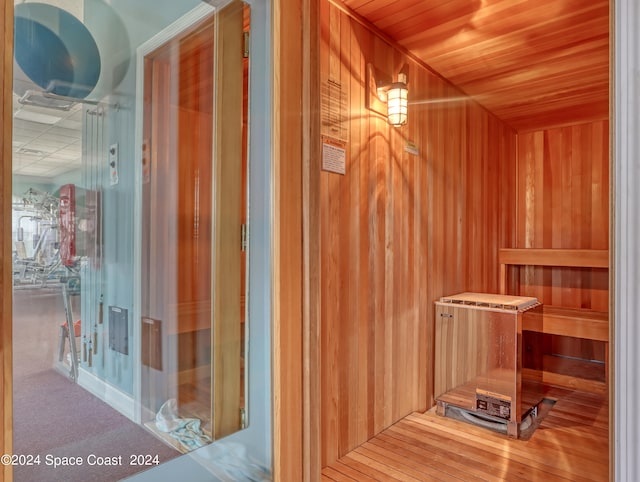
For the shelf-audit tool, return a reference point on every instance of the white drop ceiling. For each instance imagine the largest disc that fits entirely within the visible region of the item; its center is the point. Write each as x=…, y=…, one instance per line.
x=46, y=142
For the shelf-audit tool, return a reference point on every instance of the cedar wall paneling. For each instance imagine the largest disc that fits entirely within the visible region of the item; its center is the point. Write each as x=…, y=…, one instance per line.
x=398, y=231
x=286, y=241
x=563, y=202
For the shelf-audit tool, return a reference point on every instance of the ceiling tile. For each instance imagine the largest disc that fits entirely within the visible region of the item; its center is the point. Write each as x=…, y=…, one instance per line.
x=70, y=124
x=53, y=140
x=65, y=133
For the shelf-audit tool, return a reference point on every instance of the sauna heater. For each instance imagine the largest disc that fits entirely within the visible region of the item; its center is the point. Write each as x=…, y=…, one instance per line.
x=478, y=361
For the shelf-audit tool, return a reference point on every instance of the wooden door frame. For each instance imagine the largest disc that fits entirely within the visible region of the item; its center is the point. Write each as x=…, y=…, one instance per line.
x=6, y=351
x=286, y=255
x=296, y=254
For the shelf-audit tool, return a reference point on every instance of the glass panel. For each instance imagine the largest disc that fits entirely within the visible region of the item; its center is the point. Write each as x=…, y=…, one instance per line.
x=127, y=346
x=177, y=231
x=191, y=233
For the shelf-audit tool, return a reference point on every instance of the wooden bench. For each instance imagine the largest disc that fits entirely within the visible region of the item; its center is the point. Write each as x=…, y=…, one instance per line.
x=557, y=320
x=576, y=322
x=572, y=258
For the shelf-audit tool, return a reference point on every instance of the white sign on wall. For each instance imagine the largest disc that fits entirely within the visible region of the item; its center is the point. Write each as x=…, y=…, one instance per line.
x=334, y=155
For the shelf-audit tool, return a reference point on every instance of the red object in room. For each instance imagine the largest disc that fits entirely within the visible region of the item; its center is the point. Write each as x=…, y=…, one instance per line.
x=77, y=327
x=68, y=224
x=80, y=230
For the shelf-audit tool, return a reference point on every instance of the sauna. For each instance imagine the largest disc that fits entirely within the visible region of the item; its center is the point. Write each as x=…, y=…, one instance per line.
x=495, y=180
x=508, y=171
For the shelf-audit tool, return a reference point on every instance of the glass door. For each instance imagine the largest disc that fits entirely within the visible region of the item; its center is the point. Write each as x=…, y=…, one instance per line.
x=192, y=223
x=129, y=277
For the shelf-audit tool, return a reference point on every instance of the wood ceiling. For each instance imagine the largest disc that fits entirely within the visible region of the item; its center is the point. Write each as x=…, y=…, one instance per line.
x=533, y=63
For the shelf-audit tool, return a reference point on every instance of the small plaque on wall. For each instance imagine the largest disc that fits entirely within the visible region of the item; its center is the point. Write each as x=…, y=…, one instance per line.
x=334, y=108
x=334, y=155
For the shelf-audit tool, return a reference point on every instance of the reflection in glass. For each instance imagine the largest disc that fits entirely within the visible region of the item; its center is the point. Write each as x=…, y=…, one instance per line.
x=77, y=335
x=192, y=217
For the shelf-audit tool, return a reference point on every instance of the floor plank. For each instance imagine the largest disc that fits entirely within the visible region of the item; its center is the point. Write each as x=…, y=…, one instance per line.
x=571, y=443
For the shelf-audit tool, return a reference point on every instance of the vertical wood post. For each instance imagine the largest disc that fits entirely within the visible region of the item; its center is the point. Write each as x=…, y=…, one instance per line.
x=287, y=257
x=6, y=317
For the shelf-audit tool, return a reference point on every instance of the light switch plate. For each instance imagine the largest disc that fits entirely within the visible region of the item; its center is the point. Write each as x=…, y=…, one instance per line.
x=113, y=164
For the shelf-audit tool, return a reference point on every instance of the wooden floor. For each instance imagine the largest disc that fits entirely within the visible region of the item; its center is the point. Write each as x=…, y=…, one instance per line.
x=571, y=443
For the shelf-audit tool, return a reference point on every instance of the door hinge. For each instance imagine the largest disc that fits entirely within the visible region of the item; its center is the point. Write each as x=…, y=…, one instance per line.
x=243, y=237
x=245, y=49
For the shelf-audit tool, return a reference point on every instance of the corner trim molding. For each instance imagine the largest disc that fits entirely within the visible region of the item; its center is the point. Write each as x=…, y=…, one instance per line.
x=626, y=223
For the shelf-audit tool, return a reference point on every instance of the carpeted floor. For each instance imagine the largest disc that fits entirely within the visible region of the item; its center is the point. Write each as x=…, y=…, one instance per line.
x=54, y=417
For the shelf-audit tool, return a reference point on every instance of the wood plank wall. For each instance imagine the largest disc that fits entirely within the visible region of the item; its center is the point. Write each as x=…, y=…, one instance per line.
x=563, y=202
x=398, y=231
x=6, y=89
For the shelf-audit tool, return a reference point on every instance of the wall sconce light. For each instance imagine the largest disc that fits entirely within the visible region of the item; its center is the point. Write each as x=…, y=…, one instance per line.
x=388, y=98
x=397, y=101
